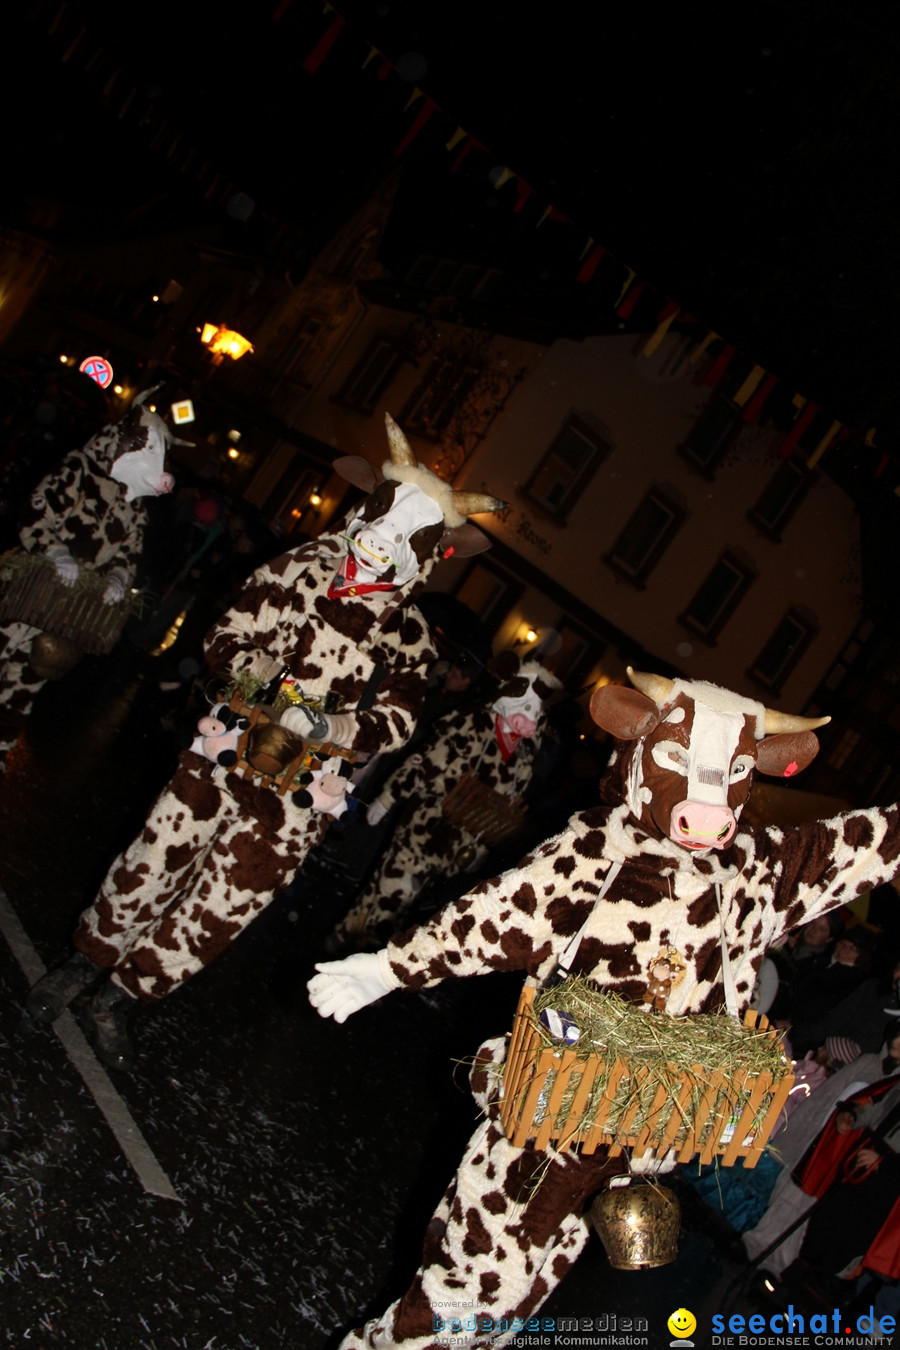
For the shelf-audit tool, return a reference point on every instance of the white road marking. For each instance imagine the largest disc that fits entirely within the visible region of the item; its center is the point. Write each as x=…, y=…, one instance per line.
x=118, y=1117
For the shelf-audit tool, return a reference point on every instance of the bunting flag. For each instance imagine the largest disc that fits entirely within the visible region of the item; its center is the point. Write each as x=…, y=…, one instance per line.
x=523, y=192
x=755, y=404
x=425, y=112
x=720, y=365
x=665, y=320
x=823, y=445
x=589, y=265
x=797, y=430
x=122, y=95
x=748, y=386
x=702, y=346
x=551, y=213
x=471, y=144
x=325, y=43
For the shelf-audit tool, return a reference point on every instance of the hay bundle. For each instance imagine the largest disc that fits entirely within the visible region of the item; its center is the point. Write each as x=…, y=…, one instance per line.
x=703, y=1083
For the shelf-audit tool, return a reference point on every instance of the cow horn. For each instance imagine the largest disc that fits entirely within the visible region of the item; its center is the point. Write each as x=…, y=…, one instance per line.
x=779, y=722
x=472, y=503
x=401, y=450
x=657, y=687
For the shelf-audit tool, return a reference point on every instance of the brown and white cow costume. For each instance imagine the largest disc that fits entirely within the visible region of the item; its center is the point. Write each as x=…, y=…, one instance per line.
x=87, y=514
x=497, y=744
x=217, y=847
x=670, y=822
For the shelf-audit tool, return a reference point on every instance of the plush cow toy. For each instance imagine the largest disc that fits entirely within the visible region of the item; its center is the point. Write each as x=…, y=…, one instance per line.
x=339, y=614
x=218, y=735
x=662, y=870
x=497, y=744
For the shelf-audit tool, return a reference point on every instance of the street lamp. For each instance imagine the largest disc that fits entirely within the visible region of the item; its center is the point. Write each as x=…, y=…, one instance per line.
x=222, y=342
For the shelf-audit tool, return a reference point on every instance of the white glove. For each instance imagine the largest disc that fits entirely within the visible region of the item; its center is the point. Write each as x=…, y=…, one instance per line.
x=115, y=588
x=343, y=987
x=375, y=812
x=66, y=567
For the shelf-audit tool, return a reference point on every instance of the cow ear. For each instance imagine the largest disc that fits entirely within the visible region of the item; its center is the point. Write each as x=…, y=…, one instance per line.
x=624, y=713
x=358, y=471
x=463, y=541
x=787, y=754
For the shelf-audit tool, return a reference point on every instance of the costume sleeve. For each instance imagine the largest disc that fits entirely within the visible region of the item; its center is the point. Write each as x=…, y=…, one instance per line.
x=255, y=634
x=826, y=863
x=521, y=920
x=55, y=499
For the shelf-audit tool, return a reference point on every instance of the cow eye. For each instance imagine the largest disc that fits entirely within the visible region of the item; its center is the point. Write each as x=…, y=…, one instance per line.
x=740, y=769
x=679, y=757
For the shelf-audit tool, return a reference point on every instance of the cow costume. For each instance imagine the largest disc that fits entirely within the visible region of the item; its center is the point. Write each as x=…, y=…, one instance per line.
x=497, y=744
x=660, y=872
x=89, y=514
x=337, y=613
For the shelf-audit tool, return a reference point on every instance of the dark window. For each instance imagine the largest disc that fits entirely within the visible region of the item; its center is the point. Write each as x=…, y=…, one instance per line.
x=444, y=390
x=488, y=593
x=781, y=497
x=566, y=468
x=300, y=341
x=783, y=650
x=646, y=536
x=714, y=431
x=718, y=597
x=371, y=376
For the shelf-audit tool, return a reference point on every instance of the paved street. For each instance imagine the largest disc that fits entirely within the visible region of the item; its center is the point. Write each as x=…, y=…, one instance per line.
x=303, y=1159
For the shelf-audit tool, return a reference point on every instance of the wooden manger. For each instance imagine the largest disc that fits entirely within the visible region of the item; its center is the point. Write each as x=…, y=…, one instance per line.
x=563, y=1096
x=31, y=592
x=472, y=805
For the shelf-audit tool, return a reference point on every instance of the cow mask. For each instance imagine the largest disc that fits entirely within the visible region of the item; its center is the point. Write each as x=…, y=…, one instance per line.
x=521, y=700
x=142, y=470
x=694, y=752
x=409, y=515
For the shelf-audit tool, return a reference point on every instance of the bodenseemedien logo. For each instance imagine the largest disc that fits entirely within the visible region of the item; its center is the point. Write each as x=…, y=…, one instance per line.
x=682, y=1324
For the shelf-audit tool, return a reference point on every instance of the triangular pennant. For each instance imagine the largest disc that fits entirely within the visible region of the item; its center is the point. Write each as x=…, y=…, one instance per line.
x=471, y=144
x=749, y=386
x=702, y=346
x=720, y=365
x=755, y=405
x=459, y=134
x=502, y=177
x=797, y=430
x=589, y=266
x=425, y=112
x=373, y=52
x=823, y=445
x=413, y=98
x=325, y=43
x=523, y=192
x=625, y=287
x=666, y=318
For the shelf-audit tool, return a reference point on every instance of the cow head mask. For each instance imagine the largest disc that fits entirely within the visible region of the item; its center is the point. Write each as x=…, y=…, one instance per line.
x=523, y=697
x=409, y=517
x=144, y=439
x=694, y=750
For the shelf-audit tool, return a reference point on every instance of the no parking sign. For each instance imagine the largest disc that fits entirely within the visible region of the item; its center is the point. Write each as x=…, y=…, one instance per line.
x=98, y=369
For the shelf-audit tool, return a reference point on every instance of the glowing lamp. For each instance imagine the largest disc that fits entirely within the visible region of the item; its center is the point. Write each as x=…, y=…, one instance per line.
x=223, y=341
x=315, y=499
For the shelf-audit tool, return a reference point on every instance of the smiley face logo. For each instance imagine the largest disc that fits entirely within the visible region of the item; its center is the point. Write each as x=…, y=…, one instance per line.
x=682, y=1323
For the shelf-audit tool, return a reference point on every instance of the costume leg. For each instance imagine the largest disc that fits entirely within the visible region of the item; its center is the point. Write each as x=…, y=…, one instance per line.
x=18, y=683
x=417, y=850
x=213, y=853
x=506, y=1232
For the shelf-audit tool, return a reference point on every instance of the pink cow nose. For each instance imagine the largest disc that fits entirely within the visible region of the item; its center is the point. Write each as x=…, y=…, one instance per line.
x=698, y=825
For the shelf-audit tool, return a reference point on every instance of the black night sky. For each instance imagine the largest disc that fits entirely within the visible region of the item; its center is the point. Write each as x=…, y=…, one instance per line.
x=741, y=162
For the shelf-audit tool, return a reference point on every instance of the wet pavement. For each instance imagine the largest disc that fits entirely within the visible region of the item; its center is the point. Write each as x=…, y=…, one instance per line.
x=306, y=1157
